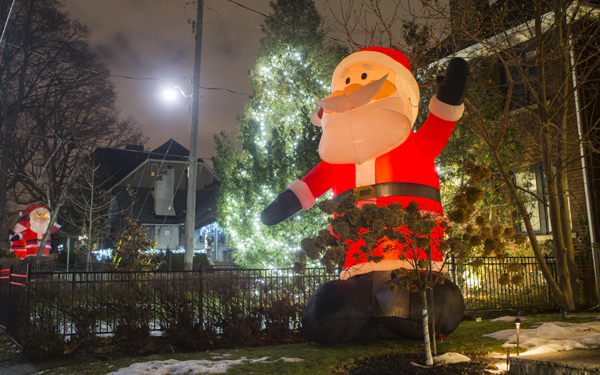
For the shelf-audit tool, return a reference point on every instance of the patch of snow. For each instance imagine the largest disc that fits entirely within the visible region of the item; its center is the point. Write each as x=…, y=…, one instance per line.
x=192, y=367
x=506, y=319
x=551, y=337
x=451, y=358
x=501, y=368
x=285, y=359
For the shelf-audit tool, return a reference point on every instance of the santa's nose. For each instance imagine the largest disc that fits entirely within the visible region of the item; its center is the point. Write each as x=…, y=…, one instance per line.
x=351, y=88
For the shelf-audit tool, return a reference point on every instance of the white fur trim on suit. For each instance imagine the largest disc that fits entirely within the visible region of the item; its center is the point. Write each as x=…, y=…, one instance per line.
x=446, y=111
x=385, y=265
x=303, y=193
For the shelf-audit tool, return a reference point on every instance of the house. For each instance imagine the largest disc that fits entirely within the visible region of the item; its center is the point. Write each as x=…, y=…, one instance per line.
x=502, y=35
x=151, y=187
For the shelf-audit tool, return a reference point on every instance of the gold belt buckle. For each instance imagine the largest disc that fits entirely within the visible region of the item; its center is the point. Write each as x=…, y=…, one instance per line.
x=364, y=192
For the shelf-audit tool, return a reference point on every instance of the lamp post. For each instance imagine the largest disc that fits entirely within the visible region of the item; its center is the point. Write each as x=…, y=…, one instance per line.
x=190, y=214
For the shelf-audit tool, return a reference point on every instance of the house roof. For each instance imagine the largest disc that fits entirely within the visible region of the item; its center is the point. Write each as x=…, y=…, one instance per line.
x=519, y=13
x=140, y=206
x=116, y=163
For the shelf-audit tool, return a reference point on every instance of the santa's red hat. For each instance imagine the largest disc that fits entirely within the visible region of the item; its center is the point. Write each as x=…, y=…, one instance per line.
x=33, y=207
x=392, y=59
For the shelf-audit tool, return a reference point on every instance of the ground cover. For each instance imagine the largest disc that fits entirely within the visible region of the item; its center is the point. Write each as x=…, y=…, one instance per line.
x=376, y=357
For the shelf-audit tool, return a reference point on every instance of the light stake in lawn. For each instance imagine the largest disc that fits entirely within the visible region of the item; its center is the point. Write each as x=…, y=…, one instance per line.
x=518, y=323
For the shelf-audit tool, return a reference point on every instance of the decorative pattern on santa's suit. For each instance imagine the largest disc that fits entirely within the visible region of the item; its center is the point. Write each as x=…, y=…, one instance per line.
x=26, y=241
x=404, y=174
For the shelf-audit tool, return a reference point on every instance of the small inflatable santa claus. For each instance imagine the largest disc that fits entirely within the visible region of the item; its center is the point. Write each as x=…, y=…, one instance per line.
x=369, y=148
x=28, y=234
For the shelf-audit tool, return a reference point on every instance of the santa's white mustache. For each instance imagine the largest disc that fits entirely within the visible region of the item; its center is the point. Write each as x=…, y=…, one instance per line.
x=359, y=98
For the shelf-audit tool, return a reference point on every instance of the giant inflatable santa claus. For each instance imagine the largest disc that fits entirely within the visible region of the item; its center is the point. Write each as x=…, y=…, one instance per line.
x=28, y=234
x=369, y=148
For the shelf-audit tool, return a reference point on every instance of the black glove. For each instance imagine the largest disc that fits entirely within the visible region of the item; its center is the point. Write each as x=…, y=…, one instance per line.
x=283, y=207
x=14, y=238
x=11, y=232
x=60, y=221
x=452, y=87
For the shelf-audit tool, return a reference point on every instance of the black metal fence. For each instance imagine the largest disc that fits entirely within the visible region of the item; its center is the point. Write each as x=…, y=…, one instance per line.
x=99, y=266
x=221, y=300
x=12, y=287
x=482, y=290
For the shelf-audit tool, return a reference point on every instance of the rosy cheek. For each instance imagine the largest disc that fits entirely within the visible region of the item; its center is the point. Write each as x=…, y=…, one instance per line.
x=387, y=90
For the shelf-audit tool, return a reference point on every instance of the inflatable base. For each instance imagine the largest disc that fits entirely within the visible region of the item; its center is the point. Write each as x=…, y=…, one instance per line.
x=363, y=308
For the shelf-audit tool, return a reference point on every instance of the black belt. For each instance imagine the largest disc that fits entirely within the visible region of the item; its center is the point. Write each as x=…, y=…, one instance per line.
x=392, y=189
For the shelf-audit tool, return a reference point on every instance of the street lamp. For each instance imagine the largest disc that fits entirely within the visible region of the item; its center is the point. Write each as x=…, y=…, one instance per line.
x=171, y=94
x=190, y=215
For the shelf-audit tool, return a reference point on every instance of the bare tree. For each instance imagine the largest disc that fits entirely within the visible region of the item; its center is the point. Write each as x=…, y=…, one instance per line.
x=57, y=103
x=529, y=63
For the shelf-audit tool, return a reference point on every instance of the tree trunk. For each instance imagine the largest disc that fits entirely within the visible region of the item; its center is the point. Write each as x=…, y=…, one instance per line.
x=58, y=203
x=426, y=339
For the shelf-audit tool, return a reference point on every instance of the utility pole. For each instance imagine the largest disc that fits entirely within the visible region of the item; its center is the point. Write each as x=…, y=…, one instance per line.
x=190, y=214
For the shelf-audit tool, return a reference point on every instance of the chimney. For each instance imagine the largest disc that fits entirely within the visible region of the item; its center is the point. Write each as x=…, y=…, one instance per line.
x=135, y=147
x=163, y=193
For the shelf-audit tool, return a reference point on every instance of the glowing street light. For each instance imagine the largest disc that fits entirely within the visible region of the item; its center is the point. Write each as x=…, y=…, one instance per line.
x=171, y=94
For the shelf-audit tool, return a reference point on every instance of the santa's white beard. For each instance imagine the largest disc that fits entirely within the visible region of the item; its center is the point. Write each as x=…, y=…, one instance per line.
x=365, y=133
x=39, y=226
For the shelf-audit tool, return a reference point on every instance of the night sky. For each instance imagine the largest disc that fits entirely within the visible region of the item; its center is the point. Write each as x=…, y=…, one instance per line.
x=143, y=38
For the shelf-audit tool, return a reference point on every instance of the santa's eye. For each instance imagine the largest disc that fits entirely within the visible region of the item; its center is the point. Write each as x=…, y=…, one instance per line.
x=363, y=76
x=348, y=80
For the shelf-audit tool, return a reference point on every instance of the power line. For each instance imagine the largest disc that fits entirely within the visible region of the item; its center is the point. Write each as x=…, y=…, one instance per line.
x=161, y=3
x=204, y=86
x=7, y=19
x=233, y=18
x=287, y=23
x=30, y=135
x=250, y=24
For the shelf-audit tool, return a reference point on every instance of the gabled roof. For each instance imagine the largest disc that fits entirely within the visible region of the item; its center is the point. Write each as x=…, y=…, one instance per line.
x=519, y=13
x=116, y=163
x=170, y=147
x=140, y=206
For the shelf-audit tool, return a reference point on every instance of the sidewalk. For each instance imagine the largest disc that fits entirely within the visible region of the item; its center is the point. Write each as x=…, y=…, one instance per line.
x=582, y=361
x=19, y=369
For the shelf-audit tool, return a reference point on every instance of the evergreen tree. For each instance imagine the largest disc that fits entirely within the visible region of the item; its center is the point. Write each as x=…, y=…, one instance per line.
x=278, y=142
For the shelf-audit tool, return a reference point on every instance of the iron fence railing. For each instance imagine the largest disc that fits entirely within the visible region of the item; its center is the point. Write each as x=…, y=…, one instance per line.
x=217, y=297
x=482, y=290
x=100, y=266
x=12, y=287
x=220, y=299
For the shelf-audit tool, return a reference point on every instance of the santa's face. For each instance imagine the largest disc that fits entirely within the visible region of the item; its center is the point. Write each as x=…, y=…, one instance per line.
x=367, y=114
x=39, y=220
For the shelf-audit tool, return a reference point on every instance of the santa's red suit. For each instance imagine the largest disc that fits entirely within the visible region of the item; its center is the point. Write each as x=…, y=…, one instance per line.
x=28, y=234
x=391, y=162
x=369, y=149
x=407, y=172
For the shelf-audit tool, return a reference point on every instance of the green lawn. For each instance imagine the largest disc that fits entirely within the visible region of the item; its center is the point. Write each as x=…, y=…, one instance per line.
x=319, y=359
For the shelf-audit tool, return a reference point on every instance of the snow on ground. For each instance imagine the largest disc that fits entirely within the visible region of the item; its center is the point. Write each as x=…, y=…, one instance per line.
x=547, y=338
x=451, y=358
x=506, y=319
x=552, y=337
x=192, y=367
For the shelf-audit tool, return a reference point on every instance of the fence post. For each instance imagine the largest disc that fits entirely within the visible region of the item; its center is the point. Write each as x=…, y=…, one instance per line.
x=453, y=268
x=8, y=302
x=201, y=295
x=548, y=284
